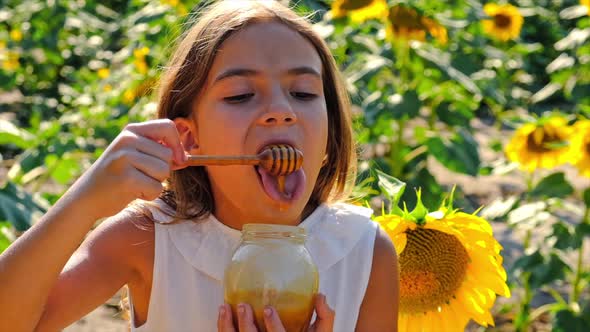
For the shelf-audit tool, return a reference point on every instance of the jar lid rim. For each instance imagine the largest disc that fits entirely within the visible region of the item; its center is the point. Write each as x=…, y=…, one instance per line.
x=273, y=228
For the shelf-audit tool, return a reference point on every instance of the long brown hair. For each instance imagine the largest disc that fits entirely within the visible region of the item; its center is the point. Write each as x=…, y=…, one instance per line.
x=188, y=191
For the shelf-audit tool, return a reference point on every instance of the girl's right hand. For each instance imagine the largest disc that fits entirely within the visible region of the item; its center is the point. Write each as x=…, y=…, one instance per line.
x=133, y=166
x=324, y=318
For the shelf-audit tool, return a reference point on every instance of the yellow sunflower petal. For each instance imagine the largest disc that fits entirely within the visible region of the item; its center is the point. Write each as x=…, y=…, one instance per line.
x=491, y=9
x=470, y=304
x=494, y=283
x=402, y=323
x=399, y=242
x=457, y=318
x=359, y=10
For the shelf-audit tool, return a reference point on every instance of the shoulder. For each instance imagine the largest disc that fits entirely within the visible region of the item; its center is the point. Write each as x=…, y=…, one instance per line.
x=379, y=310
x=125, y=239
x=384, y=251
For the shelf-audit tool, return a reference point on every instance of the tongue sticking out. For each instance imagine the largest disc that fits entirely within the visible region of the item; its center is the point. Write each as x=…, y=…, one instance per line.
x=294, y=185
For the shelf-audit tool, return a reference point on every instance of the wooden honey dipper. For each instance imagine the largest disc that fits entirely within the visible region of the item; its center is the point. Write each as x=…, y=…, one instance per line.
x=278, y=160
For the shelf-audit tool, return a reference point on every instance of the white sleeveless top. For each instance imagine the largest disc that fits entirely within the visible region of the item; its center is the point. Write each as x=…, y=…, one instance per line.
x=190, y=259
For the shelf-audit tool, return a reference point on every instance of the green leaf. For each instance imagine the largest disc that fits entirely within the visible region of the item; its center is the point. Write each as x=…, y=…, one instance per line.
x=19, y=207
x=564, y=236
x=568, y=321
x=420, y=211
x=587, y=197
x=454, y=115
x=499, y=208
x=11, y=134
x=527, y=262
x=529, y=215
x=554, y=185
x=392, y=188
x=459, y=154
x=581, y=231
x=405, y=107
x=65, y=169
x=4, y=239
x=553, y=268
x=443, y=61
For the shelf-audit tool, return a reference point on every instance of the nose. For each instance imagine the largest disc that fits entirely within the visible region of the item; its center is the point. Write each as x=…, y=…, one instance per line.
x=278, y=112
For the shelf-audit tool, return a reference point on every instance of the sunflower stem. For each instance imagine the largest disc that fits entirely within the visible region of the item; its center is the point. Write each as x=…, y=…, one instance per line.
x=557, y=296
x=541, y=310
x=396, y=157
x=529, y=182
x=524, y=319
x=579, y=267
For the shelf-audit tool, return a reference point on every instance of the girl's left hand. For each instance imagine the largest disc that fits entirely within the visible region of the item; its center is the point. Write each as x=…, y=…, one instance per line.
x=324, y=320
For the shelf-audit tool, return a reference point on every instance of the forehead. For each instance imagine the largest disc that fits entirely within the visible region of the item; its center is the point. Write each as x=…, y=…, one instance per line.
x=266, y=47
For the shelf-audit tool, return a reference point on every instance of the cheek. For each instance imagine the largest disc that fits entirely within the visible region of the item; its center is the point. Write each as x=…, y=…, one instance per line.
x=222, y=131
x=316, y=138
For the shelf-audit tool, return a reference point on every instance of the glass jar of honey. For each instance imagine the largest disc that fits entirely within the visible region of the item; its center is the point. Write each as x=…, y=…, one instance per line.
x=272, y=267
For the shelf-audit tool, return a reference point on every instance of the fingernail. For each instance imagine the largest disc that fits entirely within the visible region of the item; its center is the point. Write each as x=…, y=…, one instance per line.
x=268, y=312
x=241, y=309
x=222, y=311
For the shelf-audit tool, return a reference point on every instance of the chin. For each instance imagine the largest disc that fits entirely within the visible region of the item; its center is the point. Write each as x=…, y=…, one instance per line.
x=274, y=212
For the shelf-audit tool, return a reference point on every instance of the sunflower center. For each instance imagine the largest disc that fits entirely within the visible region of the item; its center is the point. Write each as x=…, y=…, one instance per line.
x=502, y=21
x=545, y=143
x=433, y=266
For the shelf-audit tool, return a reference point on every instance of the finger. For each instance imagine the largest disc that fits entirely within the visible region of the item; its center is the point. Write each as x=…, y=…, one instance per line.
x=155, y=149
x=246, y=318
x=160, y=151
x=161, y=130
x=224, y=319
x=325, y=315
x=151, y=166
x=144, y=187
x=272, y=321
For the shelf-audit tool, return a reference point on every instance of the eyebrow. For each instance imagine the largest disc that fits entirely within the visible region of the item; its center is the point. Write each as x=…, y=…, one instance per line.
x=251, y=72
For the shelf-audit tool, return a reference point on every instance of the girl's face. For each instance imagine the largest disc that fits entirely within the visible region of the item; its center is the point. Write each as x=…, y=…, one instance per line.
x=265, y=87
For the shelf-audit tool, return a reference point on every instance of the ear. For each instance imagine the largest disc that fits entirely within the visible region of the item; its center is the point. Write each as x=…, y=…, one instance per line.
x=188, y=134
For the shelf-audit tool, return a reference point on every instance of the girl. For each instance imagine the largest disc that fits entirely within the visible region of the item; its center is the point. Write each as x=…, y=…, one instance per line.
x=248, y=74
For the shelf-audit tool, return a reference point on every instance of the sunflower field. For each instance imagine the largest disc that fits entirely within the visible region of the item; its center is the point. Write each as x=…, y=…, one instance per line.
x=472, y=121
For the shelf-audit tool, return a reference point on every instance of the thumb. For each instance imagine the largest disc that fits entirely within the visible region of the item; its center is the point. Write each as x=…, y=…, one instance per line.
x=325, y=315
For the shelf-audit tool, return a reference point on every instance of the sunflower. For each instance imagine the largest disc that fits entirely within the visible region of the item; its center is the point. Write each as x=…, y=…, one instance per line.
x=586, y=3
x=540, y=145
x=505, y=23
x=359, y=10
x=450, y=268
x=580, y=147
x=405, y=23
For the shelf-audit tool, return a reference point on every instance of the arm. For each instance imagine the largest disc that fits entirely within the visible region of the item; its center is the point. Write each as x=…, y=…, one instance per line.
x=109, y=258
x=30, y=267
x=133, y=166
x=379, y=309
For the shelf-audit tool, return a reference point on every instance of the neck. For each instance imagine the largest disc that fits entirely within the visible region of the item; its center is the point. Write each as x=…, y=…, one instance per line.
x=233, y=217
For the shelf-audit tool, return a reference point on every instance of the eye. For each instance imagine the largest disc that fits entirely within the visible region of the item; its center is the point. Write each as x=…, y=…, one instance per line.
x=238, y=98
x=303, y=95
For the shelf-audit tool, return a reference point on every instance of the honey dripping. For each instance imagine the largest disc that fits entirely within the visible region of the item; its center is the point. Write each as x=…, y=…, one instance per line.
x=281, y=184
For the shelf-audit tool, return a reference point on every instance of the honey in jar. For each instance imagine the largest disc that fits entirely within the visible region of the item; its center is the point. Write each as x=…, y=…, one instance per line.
x=272, y=267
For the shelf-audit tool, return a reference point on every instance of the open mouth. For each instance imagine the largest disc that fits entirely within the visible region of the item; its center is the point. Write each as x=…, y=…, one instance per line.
x=294, y=185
